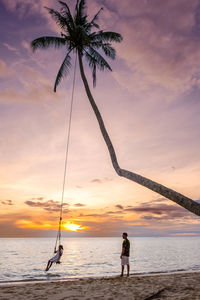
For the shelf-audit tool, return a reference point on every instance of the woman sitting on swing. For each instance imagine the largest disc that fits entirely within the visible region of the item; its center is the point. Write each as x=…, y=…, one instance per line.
x=55, y=258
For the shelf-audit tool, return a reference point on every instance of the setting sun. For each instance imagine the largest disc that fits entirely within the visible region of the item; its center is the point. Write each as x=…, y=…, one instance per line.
x=73, y=227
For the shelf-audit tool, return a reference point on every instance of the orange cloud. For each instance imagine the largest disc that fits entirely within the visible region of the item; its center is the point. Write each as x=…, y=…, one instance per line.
x=144, y=219
x=186, y=234
x=33, y=225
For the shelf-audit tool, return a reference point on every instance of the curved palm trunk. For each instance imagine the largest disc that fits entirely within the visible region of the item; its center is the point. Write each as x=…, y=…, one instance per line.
x=180, y=199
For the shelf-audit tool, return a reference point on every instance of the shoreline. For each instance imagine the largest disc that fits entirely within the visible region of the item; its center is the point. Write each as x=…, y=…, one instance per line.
x=58, y=279
x=181, y=285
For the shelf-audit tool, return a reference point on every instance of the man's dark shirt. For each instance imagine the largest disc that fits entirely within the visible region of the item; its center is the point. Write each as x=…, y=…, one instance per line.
x=126, y=246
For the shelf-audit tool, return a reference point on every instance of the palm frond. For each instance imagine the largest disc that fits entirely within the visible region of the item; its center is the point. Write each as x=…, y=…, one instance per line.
x=64, y=70
x=109, y=51
x=95, y=18
x=95, y=60
x=105, y=47
x=107, y=36
x=80, y=17
x=82, y=7
x=94, y=75
x=101, y=62
x=91, y=24
x=77, y=7
x=67, y=13
x=47, y=41
x=60, y=20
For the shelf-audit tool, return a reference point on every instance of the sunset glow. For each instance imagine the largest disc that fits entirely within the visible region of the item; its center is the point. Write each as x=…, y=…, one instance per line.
x=33, y=225
x=72, y=227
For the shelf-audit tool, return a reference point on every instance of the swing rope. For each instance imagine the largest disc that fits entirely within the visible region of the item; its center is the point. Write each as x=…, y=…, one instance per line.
x=58, y=238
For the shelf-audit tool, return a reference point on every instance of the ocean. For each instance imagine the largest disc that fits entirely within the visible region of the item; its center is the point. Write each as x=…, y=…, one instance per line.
x=24, y=259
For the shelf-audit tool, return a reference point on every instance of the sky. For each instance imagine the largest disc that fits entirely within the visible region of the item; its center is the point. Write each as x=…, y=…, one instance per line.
x=150, y=105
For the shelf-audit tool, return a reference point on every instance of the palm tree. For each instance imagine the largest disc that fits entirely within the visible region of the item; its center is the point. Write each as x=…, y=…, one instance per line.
x=83, y=37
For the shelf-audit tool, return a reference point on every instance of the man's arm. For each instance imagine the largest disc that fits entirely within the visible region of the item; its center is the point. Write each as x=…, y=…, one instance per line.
x=123, y=250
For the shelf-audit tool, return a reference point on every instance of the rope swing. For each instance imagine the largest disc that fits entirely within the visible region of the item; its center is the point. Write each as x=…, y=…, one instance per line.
x=58, y=237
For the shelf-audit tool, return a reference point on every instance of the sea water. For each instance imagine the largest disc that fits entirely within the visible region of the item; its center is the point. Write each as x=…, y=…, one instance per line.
x=24, y=259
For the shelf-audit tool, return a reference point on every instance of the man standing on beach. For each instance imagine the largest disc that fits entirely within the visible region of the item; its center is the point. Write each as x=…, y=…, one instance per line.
x=125, y=254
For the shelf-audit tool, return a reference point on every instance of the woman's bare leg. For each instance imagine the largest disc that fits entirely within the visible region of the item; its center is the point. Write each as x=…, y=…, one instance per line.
x=49, y=264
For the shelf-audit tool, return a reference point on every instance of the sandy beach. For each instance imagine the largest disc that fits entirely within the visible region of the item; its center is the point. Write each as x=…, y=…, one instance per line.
x=165, y=286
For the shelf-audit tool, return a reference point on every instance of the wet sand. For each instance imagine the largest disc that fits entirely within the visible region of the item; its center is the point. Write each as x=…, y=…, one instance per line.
x=164, y=286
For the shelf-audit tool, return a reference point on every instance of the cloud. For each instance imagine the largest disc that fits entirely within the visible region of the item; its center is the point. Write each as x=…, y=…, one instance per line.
x=26, y=45
x=79, y=205
x=34, y=95
x=27, y=8
x=162, y=211
x=4, y=70
x=79, y=186
x=24, y=7
x=39, y=198
x=153, y=221
x=111, y=214
x=162, y=199
x=11, y=48
x=36, y=87
x=118, y=212
x=159, y=51
x=113, y=227
x=6, y=202
x=96, y=180
x=13, y=231
x=94, y=215
x=49, y=205
x=148, y=211
x=119, y=206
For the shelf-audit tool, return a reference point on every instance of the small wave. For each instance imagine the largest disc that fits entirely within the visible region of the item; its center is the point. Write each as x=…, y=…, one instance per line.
x=196, y=267
x=52, y=275
x=166, y=271
x=96, y=264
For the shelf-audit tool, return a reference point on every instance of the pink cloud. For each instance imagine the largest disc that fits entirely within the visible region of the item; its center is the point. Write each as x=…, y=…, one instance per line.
x=36, y=87
x=159, y=46
x=25, y=8
x=5, y=71
x=11, y=48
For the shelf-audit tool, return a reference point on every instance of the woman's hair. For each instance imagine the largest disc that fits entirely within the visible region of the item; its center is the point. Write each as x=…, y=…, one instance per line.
x=61, y=246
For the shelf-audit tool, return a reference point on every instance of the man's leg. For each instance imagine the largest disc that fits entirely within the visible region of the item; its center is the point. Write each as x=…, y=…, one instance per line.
x=122, y=273
x=128, y=269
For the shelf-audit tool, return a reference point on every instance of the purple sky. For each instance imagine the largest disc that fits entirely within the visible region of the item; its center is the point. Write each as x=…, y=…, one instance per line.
x=150, y=104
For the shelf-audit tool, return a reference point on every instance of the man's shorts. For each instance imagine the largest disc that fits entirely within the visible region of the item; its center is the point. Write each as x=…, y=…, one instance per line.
x=125, y=260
